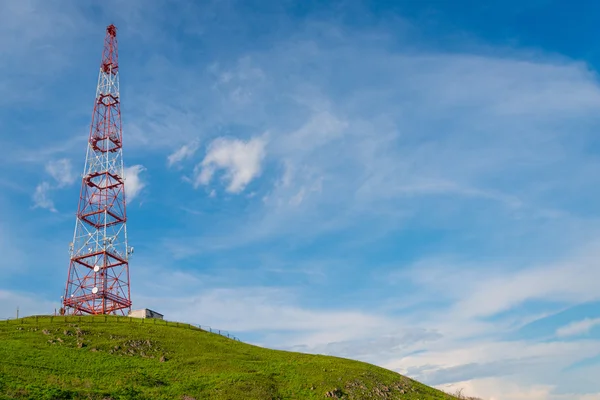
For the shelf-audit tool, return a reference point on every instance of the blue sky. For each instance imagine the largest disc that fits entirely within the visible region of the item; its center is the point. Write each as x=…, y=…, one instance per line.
x=412, y=184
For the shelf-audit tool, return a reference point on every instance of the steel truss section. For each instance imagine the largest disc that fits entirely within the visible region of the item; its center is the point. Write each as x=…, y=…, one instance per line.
x=98, y=278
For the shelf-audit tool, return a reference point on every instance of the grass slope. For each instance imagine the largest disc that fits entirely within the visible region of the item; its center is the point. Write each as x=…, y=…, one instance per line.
x=121, y=358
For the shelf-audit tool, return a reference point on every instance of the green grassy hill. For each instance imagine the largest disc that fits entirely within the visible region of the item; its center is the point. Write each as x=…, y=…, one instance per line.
x=121, y=358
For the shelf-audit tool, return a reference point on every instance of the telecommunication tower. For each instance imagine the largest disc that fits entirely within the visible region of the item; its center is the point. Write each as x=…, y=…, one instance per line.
x=98, y=280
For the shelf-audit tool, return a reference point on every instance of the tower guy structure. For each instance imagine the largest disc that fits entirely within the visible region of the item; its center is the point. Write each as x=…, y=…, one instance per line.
x=98, y=280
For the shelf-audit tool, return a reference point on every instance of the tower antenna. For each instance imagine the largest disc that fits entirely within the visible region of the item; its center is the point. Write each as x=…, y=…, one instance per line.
x=98, y=279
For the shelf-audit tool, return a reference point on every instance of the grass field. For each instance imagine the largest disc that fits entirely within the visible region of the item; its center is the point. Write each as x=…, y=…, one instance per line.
x=121, y=358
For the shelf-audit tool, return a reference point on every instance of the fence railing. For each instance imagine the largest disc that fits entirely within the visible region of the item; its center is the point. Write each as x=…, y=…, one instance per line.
x=36, y=319
x=217, y=331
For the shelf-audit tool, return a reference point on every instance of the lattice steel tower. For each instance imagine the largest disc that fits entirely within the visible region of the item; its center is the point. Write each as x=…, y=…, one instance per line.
x=98, y=281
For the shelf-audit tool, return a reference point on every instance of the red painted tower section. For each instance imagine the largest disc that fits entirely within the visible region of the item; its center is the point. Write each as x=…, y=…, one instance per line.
x=98, y=281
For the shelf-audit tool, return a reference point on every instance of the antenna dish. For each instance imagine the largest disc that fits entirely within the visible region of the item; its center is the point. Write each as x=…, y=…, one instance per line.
x=96, y=268
x=95, y=290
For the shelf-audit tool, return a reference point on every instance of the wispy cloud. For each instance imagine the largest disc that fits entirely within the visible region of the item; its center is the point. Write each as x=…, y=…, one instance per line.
x=62, y=171
x=384, y=145
x=48, y=151
x=240, y=160
x=185, y=151
x=578, y=327
x=429, y=142
x=491, y=292
x=41, y=197
x=133, y=181
x=499, y=388
x=443, y=345
x=446, y=197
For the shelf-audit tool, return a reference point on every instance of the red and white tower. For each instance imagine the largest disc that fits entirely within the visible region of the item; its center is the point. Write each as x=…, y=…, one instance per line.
x=98, y=281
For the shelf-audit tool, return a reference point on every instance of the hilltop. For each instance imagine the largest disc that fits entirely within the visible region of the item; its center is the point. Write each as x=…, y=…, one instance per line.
x=122, y=358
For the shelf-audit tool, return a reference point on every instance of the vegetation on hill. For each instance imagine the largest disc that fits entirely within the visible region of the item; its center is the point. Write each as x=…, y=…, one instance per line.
x=121, y=358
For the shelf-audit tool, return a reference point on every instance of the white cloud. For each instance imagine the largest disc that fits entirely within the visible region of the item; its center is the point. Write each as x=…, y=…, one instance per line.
x=451, y=349
x=546, y=282
x=67, y=145
x=62, y=171
x=133, y=182
x=393, y=149
x=486, y=290
x=505, y=389
x=240, y=160
x=270, y=311
x=577, y=327
x=245, y=70
x=447, y=361
x=412, y=133
x=473, y=350
x=384, y=139
x=237, y=84
x=185, y=151
x=322, y=128
x=455, y=139
x=501, y=389
x=40, y=197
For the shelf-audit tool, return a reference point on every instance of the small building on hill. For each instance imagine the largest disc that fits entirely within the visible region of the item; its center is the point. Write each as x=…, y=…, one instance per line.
x=145, y=313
